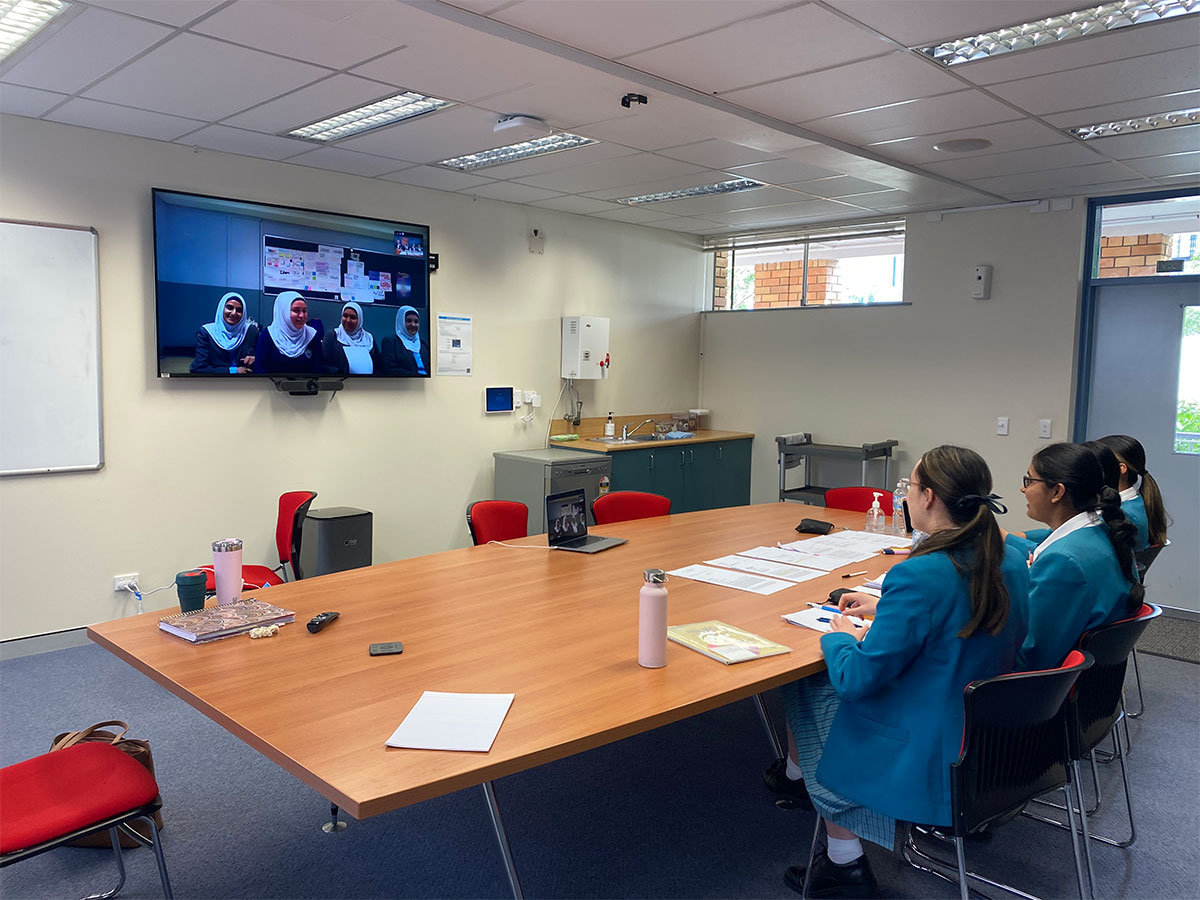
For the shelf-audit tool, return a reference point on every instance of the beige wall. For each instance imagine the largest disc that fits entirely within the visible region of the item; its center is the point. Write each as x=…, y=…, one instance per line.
x=188, y=462
x=937, y=371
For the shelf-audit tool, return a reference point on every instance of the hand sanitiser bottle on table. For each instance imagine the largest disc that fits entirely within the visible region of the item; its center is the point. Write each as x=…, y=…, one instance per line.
x=227, y=570
x=652, y=620
x=876, y=520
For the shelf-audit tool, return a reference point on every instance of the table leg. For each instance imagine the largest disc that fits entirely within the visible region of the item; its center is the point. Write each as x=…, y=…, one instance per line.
x=766, y=720
x=501, y=838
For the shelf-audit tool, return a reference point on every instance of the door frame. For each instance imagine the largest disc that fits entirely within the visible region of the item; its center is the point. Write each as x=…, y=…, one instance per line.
x=1086, y=340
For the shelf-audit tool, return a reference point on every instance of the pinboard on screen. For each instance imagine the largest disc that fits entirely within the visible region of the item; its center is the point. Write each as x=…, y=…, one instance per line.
x=245, y=289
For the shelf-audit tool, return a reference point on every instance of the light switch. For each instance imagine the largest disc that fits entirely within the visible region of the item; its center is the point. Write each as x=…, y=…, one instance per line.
x=1045, y=427
x=1002, y=425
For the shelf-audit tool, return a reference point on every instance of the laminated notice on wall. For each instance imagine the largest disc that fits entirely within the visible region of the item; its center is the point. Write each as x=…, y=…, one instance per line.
x=454, y=353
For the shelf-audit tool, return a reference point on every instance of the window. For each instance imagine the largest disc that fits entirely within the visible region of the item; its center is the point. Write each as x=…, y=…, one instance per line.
x=858, y=265
x=1158, y=237
x=1187, y=416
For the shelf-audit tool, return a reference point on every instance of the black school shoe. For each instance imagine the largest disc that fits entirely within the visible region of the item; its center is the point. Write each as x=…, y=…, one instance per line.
x=854, y=880
x=777, y=782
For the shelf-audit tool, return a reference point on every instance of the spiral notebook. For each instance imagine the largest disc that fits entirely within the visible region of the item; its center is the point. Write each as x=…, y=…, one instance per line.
x=216, y=622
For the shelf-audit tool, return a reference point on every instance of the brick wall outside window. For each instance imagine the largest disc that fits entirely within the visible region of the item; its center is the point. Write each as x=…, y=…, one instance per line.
x=1132, y=255
x=782, y=283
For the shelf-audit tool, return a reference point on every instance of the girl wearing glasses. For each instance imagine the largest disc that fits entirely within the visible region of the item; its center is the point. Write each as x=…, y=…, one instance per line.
x=1141, y=501
x=953, y=612
x=1082, y=574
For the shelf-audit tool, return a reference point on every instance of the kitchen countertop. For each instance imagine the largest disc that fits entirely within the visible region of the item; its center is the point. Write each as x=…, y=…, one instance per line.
x=703, y=436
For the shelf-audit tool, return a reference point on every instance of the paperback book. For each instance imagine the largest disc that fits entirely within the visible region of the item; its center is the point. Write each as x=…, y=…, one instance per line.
x=724, y=643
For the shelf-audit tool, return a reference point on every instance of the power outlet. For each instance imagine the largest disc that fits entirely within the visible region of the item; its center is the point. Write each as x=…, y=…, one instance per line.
x=516, y=398
x=124, y=582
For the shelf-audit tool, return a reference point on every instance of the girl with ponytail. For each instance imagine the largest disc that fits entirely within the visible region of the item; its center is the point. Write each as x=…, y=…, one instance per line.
x=1141, y=501
x=1082, y=574
x=951, y=613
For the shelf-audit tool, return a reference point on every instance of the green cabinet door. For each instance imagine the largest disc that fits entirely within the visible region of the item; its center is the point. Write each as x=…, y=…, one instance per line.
x=631, y=471
x=669, y=470
x=702, y=475
x=731, y=484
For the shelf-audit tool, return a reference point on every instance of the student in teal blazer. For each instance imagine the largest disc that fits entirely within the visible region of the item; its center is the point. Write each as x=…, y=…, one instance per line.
x=1082, y=575
x=1141, y=500
x=952, y=613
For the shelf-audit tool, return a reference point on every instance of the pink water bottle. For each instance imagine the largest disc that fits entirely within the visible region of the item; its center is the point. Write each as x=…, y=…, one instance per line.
x=227, y=570
x=652, y=620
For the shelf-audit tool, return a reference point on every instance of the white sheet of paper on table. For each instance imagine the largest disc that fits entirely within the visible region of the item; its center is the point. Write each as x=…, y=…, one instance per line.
x=817, y=619
x=446, y=721
x=765, y=567
x=725, y=578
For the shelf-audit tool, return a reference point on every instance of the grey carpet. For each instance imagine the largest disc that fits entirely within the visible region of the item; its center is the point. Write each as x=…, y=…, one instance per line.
x=1172, y=638
x=677, y=812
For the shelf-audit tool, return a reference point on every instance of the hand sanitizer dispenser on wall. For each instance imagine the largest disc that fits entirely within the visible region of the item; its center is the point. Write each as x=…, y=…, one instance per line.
x=584, y=347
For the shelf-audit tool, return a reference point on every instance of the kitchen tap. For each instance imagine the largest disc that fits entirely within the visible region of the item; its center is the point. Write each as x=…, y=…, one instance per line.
x=626, y=431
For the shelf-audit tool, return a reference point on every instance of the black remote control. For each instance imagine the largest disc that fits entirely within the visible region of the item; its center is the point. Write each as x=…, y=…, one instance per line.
x=319, y=621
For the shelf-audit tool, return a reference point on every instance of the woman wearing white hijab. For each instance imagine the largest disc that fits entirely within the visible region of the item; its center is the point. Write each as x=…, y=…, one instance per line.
x=289, y=344
x=350, y=349
x=407, y=353
x=225, y=346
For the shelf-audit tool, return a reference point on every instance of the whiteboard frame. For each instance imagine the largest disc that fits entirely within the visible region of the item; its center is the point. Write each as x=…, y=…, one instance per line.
x=5, y=473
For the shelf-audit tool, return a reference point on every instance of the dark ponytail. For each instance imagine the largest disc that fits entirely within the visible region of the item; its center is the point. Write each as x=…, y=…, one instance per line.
x=962, y=481
x=1078, y=468
x=1133, y=454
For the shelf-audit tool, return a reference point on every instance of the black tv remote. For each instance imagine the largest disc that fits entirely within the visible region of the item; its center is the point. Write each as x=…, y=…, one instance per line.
x=319, y=621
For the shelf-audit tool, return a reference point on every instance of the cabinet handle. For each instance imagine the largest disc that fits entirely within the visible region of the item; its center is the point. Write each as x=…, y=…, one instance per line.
x=682, y=459
x=650, y=467
x=691, y=456
x=720, y=452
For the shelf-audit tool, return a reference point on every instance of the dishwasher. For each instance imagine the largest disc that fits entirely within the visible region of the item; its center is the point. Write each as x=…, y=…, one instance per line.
x=529, y=475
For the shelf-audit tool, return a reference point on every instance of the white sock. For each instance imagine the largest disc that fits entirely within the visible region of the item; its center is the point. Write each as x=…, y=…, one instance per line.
x=793, y=771
x=843, y=852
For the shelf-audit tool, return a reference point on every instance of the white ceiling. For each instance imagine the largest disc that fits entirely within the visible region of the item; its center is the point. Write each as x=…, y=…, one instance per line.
x=823, y=100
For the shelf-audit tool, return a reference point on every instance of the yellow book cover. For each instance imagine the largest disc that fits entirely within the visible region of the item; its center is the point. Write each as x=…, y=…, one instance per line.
x=724, y=643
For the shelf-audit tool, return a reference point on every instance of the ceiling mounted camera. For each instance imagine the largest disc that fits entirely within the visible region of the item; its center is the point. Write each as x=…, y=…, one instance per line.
x=630, y=99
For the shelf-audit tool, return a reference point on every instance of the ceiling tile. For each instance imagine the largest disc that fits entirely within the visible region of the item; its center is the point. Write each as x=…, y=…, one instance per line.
x=247, y=143
x=510, y=191
x=1102, y=187
x=870, y=83
x=808, y=211
x=482, y=7
x=928, y=115
x=625, y=170
x=1188, y=180
x=565, y=159
x=202, y=79
x=432, y=137
x=761, y=49
x=123, y=120
x=659, y=185
x=716, y=154
x=1158, y=142
x=170, y=12
x=1126, y=79
x=438, y=179
x=614, y=28
x=1129, y=109
x=573, y=96
x=1019, y=134
x=707, y=207
x=572, y=204
x=919, y=22
x=837, y=186
x=322, y=100
x=88, y=46
x=973, y=166
x=636, y=216
x=1054, y=181
x=893, y=201
x=22, y=101
x=1155, y=37
x=781, y=171
x=347, y=161
x=689, y=225
x=1174, y=164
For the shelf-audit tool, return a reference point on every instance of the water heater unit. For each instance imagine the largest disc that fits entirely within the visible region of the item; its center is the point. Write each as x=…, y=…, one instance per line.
x=584, y=347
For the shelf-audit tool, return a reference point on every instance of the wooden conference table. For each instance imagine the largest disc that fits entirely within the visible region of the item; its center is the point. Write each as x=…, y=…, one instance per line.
x=559, y=630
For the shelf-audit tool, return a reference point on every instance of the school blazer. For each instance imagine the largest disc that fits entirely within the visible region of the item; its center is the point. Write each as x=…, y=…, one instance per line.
x=1135, y=512
x=899, y=725
x=1075, y=585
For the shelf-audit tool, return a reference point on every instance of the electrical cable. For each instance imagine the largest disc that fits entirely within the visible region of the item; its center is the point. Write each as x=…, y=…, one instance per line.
x=521, y=546
x=550, y=415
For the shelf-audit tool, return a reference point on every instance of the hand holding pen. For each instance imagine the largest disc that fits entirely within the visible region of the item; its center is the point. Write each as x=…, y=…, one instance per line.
x=856, y=603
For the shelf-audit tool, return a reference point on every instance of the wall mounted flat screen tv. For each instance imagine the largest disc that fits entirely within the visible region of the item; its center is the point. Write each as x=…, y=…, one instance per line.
x=248, y=289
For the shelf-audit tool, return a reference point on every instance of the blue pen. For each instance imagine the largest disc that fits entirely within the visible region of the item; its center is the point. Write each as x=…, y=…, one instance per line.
x=832, y=609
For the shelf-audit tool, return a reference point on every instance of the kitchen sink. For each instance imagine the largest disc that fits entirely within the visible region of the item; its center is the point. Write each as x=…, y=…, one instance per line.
x=632, y=439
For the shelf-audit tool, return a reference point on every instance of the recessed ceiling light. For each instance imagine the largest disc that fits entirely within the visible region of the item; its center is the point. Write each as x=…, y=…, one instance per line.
x=513, y=152
x=962, y=145
x=22, y=19
x=721, y=187
x=373, y=115
x=1130, y=126
x=1092, y=20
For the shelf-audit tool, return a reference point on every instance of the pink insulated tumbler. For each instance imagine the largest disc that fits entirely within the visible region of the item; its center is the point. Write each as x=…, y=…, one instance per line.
x=227, y=570
x=652, y=620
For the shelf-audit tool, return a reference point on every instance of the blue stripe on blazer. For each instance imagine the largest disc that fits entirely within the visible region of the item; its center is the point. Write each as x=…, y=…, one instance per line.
x=1075, y=584
x=900, y=721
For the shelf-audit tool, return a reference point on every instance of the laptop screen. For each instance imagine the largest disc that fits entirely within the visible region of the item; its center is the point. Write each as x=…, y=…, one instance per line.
x=566, y=517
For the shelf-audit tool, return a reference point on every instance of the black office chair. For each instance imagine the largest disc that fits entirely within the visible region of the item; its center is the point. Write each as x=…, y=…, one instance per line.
x=1015, y=747
x=1144, y=559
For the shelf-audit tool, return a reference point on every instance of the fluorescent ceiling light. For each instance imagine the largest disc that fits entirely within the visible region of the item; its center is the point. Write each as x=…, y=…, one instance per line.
x=373, y=115
x=722, y=187
x=21, y=19
x=513, y=152
x=1129, y=126
x=1092, y=20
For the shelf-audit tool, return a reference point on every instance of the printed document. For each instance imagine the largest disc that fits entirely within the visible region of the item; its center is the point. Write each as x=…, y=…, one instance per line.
x=737, y=580
x=766, y=567
x=442, y=721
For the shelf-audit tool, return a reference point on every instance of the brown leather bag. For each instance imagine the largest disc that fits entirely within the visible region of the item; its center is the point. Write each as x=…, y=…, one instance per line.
x=139, y=750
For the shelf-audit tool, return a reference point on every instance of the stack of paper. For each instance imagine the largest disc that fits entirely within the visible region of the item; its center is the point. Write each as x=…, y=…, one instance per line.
x=817, y=618
x=725, y=578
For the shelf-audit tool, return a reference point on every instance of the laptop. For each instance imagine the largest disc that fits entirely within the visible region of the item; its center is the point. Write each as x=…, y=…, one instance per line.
x=566, y=524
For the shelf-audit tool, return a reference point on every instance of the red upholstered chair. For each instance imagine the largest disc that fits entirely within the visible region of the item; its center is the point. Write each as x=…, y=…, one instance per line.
x=497, y=520
x=60, y=796
x=293, y=507
x=857, y=499
x=621, y=506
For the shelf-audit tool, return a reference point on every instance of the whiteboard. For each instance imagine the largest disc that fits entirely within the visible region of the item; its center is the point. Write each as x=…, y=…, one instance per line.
x=50, y=414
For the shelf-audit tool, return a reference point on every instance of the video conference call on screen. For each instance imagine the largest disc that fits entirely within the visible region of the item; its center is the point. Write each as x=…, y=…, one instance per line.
x=245, y=289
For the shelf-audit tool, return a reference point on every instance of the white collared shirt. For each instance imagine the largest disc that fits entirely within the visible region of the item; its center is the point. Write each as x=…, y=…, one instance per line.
x=1132, y=491
x=1085, y=519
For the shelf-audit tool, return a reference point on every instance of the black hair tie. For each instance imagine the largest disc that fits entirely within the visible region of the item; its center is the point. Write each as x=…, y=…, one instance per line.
x=968, y=503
